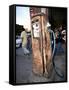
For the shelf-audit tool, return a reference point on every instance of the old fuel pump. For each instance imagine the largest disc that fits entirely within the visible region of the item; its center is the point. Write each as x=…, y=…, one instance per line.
x=41, y=46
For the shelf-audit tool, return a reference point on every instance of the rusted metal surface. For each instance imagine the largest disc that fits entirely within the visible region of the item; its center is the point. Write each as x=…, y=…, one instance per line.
x=42, y=54
x=37, y=58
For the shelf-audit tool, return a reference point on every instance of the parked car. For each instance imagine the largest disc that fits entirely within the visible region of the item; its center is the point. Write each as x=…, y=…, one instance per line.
x=18, y=41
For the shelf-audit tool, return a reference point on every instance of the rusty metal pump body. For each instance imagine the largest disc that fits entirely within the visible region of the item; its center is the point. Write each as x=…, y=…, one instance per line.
x=41, y=46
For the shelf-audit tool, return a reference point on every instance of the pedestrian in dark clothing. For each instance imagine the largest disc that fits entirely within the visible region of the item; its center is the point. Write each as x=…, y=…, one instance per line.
x=59, y=48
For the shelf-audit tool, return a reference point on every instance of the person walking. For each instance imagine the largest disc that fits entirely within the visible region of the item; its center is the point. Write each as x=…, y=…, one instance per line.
x=59, y=48
x=24, y=41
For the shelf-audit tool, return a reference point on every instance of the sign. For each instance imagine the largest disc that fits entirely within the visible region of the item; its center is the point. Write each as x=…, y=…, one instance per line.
x=36, y=29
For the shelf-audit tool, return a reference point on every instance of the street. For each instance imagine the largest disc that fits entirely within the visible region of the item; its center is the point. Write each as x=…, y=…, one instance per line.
x=24, y=72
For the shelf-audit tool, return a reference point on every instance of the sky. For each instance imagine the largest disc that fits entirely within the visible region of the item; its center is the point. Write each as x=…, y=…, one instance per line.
x=23, y=16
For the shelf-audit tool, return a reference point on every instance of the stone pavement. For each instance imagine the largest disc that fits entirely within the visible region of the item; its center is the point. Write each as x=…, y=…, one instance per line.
x=24, y=72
